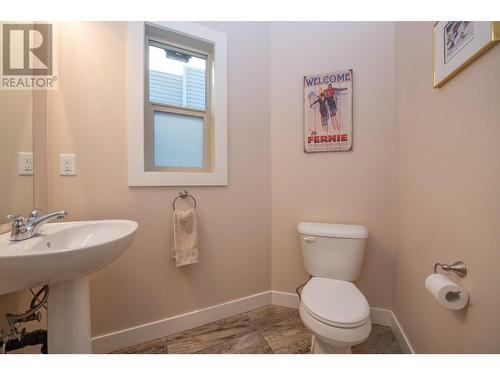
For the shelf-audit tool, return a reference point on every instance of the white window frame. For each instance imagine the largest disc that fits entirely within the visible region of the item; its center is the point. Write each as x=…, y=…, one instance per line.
x=137, y=173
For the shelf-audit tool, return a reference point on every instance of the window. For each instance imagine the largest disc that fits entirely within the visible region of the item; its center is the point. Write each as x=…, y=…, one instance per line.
x=182, y=138
x=177, y=102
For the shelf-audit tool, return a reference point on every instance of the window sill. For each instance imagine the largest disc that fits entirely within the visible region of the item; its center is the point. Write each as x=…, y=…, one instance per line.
x=177, y=179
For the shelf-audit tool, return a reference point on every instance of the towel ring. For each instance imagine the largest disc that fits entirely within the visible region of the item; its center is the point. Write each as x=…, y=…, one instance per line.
x=183, y=194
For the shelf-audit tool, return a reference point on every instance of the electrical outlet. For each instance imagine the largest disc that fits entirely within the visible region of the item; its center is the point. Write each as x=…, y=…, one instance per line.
x=67, y=164
x=25, y=163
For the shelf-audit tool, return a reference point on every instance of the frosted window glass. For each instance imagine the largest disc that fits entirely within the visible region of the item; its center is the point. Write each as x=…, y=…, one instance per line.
x=178, y=140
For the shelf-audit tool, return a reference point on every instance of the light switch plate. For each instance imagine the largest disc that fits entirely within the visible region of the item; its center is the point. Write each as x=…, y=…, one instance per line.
x=25, y=163
x=67, y=164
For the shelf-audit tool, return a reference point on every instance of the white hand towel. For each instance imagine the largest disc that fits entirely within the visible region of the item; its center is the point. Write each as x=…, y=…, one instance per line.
x=184, y=237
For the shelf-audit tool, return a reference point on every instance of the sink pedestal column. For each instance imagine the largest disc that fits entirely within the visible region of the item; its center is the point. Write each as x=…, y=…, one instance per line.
x=69, y=317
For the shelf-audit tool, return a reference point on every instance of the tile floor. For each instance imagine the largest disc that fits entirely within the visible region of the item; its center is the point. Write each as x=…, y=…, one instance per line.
x=271, y=329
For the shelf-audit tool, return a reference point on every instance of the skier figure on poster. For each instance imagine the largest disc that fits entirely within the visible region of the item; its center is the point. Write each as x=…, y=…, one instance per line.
x=330, y=94
x=312, y=97
x=322, y=109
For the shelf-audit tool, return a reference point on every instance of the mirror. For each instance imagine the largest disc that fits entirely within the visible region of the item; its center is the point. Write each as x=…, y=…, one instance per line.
x=16, y=153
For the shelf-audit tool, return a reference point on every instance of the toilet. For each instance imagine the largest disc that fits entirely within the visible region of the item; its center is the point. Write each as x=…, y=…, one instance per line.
x=332, y=308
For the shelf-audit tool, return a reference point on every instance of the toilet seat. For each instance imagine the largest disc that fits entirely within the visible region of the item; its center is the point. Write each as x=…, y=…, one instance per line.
x=336, y=303
x=334, y=337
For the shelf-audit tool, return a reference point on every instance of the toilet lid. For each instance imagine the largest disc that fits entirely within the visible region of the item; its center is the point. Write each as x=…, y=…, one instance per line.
x=335, y=302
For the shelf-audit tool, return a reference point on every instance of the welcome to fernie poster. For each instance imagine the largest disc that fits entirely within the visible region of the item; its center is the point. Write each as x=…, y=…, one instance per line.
x=328, y=111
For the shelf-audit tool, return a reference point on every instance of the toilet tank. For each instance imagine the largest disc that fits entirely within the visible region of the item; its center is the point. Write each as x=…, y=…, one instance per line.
x=333, y=251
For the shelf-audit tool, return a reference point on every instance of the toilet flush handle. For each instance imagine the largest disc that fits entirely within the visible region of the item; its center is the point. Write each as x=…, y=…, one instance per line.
x=310, y=239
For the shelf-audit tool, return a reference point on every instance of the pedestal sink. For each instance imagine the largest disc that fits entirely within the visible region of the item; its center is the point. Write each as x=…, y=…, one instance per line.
x=62, y=256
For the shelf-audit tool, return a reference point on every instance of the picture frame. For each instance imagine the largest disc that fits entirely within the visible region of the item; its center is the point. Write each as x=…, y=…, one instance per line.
x=457, y=44
x=328, y=111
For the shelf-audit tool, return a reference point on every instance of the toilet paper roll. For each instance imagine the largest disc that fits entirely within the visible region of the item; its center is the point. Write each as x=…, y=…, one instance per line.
x=446, y=292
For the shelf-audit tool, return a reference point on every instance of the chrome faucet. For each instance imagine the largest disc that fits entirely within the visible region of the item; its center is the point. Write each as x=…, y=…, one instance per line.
x=22, y=228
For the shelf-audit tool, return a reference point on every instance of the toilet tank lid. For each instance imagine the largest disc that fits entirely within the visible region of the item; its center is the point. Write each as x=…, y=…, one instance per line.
x=333, y=230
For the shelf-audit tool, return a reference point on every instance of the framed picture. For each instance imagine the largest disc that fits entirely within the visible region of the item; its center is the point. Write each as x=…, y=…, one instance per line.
x=458, y=43
x=328, y=111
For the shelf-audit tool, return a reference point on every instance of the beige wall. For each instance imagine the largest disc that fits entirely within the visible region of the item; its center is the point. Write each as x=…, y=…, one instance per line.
x=341, y=187
x=447, y=201
x=16, y=135
x=87, y=116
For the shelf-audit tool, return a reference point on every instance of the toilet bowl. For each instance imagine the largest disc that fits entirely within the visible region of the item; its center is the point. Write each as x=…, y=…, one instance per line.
x=332, y=308
x=336, y=313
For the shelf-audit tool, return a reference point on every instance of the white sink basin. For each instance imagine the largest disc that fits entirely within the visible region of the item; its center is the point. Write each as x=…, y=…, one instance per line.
x=62, y=256
x=62, y=252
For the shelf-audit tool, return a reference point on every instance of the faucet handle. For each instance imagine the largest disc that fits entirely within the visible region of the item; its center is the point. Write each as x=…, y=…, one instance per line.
x=34, y=213
x=17, y=222
x=14, y=217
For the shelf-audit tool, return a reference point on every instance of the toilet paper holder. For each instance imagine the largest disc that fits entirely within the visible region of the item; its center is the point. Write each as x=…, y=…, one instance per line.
x=458, y=267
